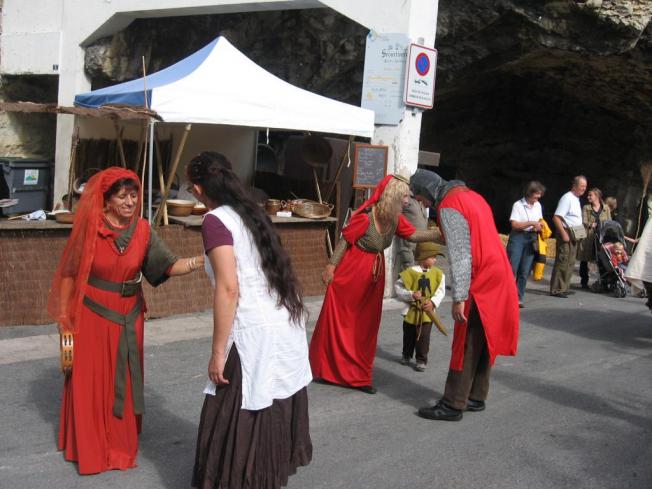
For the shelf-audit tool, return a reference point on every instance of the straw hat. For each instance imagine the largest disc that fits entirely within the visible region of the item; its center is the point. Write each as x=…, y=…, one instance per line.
x=427, y=250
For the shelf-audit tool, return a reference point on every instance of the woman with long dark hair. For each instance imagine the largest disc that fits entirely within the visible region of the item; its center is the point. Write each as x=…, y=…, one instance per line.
x=253, y=431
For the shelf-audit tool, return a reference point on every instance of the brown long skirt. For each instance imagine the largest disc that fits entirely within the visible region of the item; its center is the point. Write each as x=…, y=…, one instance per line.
x=241, y=449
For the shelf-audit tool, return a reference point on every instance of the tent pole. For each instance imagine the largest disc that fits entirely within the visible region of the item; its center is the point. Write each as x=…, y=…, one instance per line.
x=118, y=137
x=173, y=172
x=161, y=176
x=345, y=155
x=149, y=174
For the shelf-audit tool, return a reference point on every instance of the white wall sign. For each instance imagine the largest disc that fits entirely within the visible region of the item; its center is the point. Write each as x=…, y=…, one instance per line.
x=384, y=76
x=30, y=177
x=420, y=76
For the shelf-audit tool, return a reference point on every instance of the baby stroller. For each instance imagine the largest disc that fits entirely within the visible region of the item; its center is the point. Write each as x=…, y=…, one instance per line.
x=612, y=278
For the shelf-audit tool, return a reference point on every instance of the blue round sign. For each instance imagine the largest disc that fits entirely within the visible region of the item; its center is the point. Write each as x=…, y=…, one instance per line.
x=422, y=64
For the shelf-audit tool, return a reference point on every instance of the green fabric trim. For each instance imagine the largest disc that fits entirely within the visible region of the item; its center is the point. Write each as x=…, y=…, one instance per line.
x=127, y=354
x=157, y=261
x=124, y=235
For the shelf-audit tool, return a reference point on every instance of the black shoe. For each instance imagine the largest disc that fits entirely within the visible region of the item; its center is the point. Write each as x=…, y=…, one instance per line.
x=475, y=406
x=367, y=389
x=585, y=286
x=561, y=295
x=570, y=292
x=440, y=411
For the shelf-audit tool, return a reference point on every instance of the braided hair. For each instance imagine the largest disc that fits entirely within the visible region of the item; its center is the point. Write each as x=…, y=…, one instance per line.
x=213, y=172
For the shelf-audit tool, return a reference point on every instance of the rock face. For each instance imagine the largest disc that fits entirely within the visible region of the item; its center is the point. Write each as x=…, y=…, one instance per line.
x=28, y=135
x=543, y=89
x=525, y=88
x=316, y=49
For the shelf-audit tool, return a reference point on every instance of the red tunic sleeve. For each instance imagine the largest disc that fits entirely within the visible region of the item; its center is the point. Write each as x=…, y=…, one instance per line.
x=356, y=227
x=404, y=229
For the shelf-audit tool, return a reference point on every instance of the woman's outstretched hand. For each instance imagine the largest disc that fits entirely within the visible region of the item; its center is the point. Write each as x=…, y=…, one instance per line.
x=216, y=369
x=328, y=274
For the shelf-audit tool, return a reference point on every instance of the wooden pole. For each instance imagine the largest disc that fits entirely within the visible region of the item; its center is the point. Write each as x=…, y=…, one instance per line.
x=141, y=142
x=71, y=169
x=329, y=244
x=144, y=152
x=646, y=175
x=142, y=177
x=121, y=151
x=161, y=177
x=173, y=171
x=345, y=156
x=314, y=175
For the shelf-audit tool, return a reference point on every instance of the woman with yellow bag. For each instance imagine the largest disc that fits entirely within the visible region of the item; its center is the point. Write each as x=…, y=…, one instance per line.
x=525, y=223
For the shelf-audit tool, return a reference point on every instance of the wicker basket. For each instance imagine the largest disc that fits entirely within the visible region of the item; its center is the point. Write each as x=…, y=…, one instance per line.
x=311, y=209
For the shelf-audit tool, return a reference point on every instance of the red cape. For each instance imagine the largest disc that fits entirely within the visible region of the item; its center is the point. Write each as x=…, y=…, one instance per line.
x=493, y=289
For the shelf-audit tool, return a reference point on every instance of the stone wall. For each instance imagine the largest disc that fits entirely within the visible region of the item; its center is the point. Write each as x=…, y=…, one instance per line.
x=315, y=49
x=29, y=135
x=543, y=90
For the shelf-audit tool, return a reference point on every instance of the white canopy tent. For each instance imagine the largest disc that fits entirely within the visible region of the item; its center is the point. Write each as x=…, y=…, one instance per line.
x=220, y=85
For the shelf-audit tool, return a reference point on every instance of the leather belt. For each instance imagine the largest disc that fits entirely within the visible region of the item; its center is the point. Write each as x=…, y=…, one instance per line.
x=125, y=289
x=128, y=354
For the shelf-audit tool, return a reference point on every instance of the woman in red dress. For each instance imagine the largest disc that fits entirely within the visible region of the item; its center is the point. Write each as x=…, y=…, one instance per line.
x=96, y=295
x=343, y=345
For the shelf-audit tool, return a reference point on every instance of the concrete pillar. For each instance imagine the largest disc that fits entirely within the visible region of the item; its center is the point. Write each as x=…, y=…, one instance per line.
x=417, y=19
x=72, y=80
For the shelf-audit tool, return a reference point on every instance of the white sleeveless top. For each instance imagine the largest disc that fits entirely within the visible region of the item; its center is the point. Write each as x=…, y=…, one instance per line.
x=273, y=350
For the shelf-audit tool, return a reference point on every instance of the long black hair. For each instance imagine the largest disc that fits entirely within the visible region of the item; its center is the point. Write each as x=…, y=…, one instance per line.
x=213, y=172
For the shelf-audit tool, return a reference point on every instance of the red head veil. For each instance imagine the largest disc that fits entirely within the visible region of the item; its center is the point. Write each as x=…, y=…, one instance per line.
x=378, y=191
x=69, y=284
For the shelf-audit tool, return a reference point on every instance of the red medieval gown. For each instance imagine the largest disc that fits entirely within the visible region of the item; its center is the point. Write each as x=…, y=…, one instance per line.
x=90, y=433
x=343, y=345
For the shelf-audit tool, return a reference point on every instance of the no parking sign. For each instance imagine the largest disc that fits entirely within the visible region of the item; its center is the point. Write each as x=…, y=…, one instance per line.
x=420, y=76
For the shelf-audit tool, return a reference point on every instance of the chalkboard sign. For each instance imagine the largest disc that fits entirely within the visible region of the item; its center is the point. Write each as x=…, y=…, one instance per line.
x=370, y=165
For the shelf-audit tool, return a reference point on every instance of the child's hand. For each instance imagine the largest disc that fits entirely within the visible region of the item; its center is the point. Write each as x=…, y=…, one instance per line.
x=416, y=295
x=428, y=306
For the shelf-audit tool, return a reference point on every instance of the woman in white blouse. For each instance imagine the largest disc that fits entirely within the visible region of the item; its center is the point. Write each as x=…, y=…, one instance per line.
x=253, y=430
x=525, y=223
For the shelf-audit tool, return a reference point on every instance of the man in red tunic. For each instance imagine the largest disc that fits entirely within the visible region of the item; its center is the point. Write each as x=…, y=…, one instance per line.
x=485, y=301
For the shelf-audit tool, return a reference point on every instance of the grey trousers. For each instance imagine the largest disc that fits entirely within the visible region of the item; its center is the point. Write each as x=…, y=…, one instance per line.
x=472, y=382
x=562, y=271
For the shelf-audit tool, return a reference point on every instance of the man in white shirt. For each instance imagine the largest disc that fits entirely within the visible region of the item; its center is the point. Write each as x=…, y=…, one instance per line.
x=567, y=214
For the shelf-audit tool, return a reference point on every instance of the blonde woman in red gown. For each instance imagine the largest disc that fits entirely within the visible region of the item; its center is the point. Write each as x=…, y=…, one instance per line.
x=96, y=295
x=343, y=345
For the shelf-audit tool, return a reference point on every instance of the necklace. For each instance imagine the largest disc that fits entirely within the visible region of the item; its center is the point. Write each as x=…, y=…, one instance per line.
x=110, y=219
